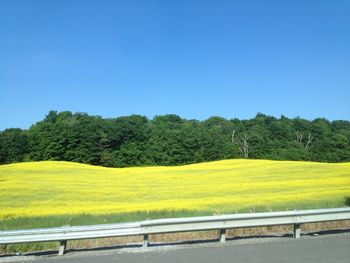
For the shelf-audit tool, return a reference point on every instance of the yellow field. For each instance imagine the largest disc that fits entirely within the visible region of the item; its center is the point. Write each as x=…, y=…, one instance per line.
x=63, y=188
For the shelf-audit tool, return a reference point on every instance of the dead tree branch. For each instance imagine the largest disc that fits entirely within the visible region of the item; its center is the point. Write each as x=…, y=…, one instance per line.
x=242, y=143
x=309, y=139
x=299, y=138
x=233, y=136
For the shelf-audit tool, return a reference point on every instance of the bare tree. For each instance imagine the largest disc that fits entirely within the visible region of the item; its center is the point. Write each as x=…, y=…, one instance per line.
x=233, y=136
x=309, y=139
x=300, y=136
x=242, y=143
x=244, y=146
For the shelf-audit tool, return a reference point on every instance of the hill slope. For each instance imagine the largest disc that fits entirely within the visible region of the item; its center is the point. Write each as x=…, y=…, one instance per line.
x=53, y=188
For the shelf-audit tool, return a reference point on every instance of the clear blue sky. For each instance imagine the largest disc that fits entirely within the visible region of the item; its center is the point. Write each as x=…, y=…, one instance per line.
x=192, y=58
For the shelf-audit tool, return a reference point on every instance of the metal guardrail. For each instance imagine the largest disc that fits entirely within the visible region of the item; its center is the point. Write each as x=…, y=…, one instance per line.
x=158, y=226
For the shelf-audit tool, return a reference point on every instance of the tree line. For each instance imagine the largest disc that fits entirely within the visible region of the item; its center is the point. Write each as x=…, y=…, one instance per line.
x=171, y=140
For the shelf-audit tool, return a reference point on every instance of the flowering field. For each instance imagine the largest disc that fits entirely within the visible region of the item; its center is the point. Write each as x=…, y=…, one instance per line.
x=52, y=188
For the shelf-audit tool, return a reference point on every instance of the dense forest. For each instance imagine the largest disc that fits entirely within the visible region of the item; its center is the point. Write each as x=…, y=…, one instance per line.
x=170, y=140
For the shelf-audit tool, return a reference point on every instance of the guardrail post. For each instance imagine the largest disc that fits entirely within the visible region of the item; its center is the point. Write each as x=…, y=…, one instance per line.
x=62, y=248
x=145, y=241
x=222, y=235
x=296, y=231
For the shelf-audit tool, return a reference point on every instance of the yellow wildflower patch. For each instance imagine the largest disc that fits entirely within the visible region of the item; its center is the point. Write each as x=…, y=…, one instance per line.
x=64, y=188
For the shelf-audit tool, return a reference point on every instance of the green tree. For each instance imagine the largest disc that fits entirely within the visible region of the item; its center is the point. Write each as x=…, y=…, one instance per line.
x=13, y=145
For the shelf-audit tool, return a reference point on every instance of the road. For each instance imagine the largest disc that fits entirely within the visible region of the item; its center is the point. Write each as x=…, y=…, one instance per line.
x=320, y=249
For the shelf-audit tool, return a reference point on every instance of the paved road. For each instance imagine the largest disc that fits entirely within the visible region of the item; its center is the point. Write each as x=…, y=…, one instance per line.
x=321, y=249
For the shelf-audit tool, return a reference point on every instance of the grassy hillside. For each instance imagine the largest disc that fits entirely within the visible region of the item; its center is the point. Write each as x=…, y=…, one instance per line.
x=62, y=189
